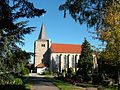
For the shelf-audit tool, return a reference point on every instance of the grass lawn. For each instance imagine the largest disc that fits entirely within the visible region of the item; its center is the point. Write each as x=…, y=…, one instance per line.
x=27, y=83
x=63, y=85
x=28, y=86
x=66, y=86
x=111, y=88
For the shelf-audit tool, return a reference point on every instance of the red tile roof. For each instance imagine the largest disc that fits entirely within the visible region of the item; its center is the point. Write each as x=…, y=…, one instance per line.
x=66, y=48
x=41, y=65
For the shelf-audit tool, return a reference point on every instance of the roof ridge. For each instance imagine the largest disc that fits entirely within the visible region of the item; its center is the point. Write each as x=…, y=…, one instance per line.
x=66, y=48
x=65, y=44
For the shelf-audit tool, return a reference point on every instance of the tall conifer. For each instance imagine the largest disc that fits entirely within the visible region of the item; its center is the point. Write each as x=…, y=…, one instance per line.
x=86, y=60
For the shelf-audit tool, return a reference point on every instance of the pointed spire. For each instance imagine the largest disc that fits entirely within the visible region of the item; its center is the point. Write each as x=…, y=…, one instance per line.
x=42, y=35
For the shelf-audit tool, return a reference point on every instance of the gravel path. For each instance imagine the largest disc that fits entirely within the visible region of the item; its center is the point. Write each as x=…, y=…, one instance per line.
x=40, y=83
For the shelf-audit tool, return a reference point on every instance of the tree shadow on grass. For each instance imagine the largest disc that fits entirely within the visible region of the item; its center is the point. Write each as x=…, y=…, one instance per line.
x=38, y=81
x=13, y=87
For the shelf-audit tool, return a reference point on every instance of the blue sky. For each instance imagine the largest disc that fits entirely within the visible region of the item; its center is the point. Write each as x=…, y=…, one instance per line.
x=58, y=28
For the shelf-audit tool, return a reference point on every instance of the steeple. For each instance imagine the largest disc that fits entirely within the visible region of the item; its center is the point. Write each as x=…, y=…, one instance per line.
x=42, y=35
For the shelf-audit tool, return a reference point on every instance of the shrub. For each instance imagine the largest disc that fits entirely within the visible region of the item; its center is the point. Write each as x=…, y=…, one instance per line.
x=18, y=81
x=48, y=72
x=63, y=72
x=96, y=79
x=6, y=78
x=105, y=82
x=71, y=72
x=25, y=71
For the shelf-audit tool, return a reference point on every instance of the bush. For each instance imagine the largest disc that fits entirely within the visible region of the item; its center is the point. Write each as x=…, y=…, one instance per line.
x=96, y=79
x=48, y=72
x=6, y=78
x=105, y=82
x=71, y=72
x=63, y=72
x=25, y=71
x=18, y=81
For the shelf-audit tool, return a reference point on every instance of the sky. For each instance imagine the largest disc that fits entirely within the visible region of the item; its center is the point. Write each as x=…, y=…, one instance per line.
x=58, y=28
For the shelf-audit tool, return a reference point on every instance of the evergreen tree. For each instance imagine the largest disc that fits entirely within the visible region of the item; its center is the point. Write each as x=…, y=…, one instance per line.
x=11, y=10
x=85, y=63
x=12, y=58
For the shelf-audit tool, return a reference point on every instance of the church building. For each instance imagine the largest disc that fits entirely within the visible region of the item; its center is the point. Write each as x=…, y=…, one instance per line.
x=55, y=56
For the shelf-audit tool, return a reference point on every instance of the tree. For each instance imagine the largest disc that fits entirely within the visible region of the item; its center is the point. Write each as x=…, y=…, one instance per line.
x=111, y=54
x=104, y=15
x=91, y=12
x=85, y=63
x=12, y=58
x=11, y=10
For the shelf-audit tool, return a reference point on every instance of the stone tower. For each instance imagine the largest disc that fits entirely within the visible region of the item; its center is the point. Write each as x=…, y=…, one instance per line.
x=41, y=48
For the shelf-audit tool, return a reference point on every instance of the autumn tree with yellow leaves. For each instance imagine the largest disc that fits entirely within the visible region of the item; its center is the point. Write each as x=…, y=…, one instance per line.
x=104, y=16
x=111, y=33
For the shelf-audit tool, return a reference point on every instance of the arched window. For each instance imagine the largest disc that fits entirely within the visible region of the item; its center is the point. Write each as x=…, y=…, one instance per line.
x=73, y=61
x=57, y=59
x=65, y=61
x=56, y=64
x=79, y=56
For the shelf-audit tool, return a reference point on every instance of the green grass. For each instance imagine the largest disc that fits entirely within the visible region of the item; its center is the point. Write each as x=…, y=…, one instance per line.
x=46, y=75
x=111, y=88
x=63, y=85
x=28, y=86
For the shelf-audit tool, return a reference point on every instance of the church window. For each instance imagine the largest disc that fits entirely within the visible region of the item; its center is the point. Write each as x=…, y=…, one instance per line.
x=57, y=62
x=57, y=59
x=79, y=56
x=73, y=61
x=65, y=61
x=43, y=45
x=76, y=61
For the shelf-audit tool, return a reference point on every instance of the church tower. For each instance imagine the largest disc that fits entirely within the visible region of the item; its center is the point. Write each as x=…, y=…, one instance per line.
x=41, y=48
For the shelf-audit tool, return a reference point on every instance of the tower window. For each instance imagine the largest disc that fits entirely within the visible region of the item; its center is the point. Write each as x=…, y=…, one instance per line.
x=43, y=45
